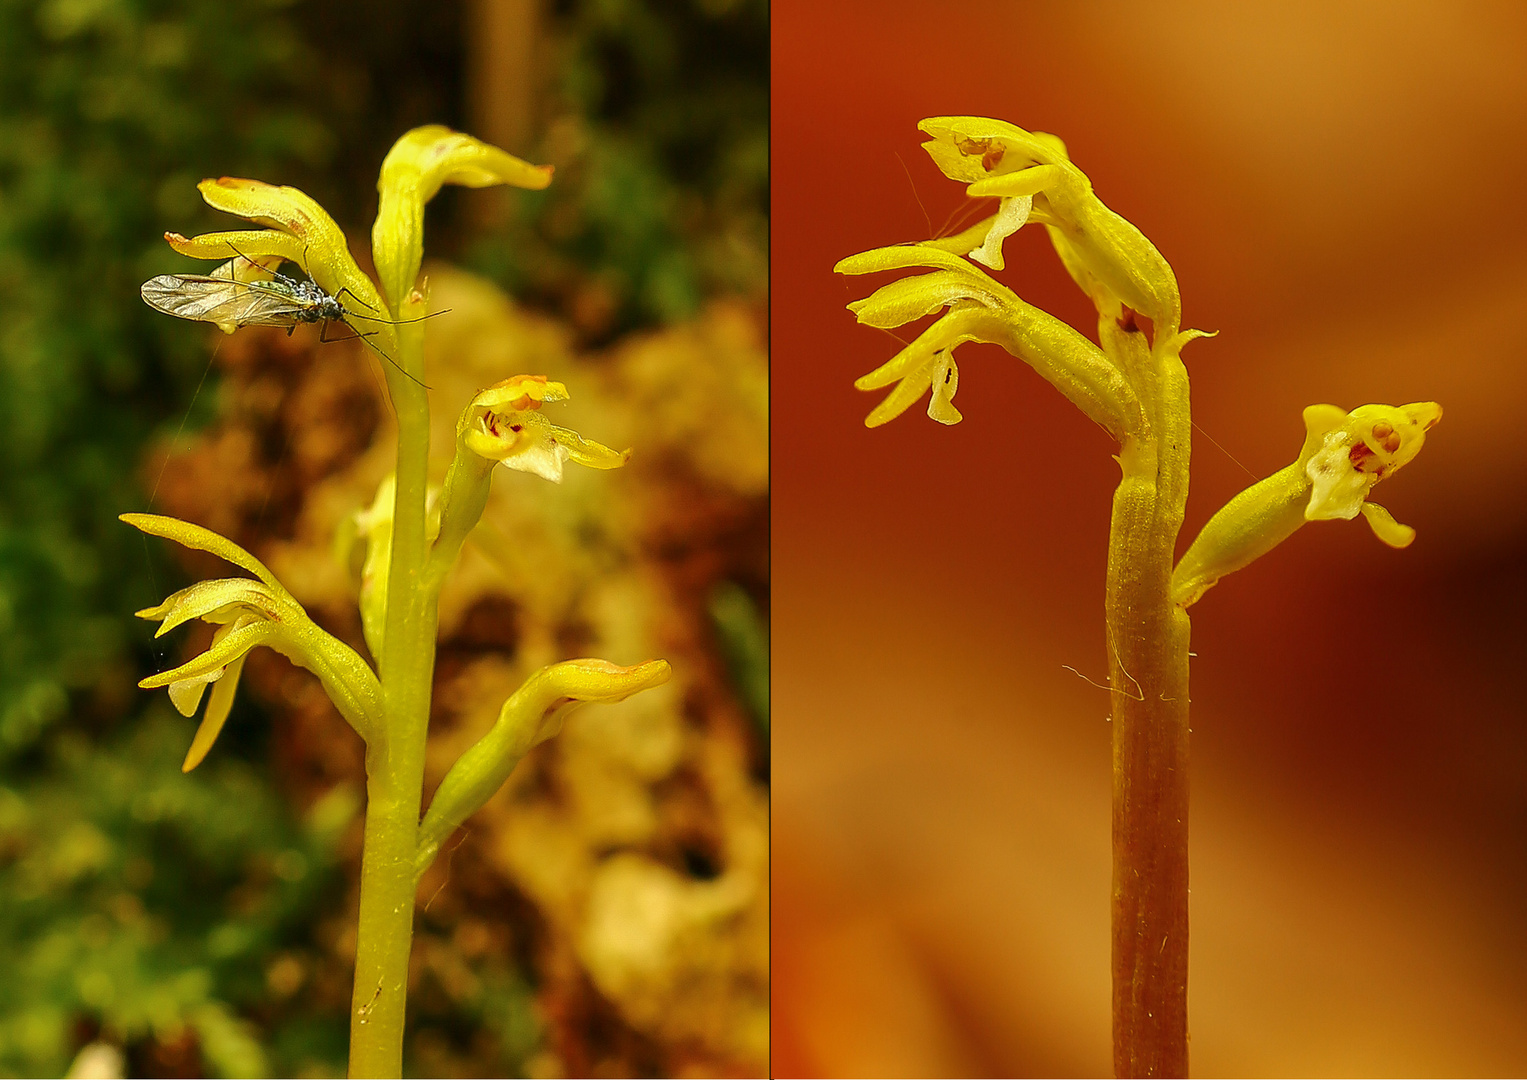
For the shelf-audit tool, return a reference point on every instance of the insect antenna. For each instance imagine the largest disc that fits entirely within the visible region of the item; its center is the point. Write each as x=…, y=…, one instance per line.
x=396, y=322
x=377, y=318
x=401, y=370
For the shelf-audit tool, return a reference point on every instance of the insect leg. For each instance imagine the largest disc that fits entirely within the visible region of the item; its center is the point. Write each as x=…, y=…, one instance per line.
x=323, y=339
x=358, y=300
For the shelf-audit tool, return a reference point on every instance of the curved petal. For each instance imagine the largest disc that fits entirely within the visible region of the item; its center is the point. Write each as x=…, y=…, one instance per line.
x=186, y=694
x=210, y=600
x=252, y=244
x=1386, y=528
x=225, y=649
x=901, y=256
x=413, y=171
x=945, y=380
x=902, y=398
x=912, y=298
x=520, y=392
x=944, y=334
x=1014, y=212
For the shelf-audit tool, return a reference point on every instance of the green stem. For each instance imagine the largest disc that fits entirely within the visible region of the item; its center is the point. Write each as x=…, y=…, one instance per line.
x=1148, y=646
x=395, y=762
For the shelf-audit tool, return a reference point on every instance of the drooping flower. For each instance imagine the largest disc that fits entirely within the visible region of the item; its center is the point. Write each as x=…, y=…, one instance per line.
x=248, y=613
x=504, y=424
x=978, y=309
x=1032, y=175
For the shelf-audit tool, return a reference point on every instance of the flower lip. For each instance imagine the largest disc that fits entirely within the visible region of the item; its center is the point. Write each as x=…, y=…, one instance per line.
x=1347, y=453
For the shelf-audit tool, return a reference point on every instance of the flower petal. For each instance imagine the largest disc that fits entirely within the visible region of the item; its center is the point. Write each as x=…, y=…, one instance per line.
x=504, y=424
x=255, y=245
x=325, y=253
x=912, y=298
x=969, y=148
x=186, y=694
x=219, y=601
x=944, y=334
x=1338, y=487
x=223, y=652
x=899, y=400
x=1014, y=212
x=945, y=379
x=520, y=392
x=901, y=256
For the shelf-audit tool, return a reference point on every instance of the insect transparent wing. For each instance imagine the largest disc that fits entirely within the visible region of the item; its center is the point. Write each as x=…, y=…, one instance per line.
x=229, y=304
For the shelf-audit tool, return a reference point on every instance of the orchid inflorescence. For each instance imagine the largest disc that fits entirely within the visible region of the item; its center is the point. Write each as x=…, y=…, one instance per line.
x=1034, y=180
x=1131, y=381
x=412, y=535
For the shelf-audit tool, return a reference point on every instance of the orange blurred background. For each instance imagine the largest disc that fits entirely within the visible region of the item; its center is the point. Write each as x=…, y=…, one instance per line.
x=1339, y=187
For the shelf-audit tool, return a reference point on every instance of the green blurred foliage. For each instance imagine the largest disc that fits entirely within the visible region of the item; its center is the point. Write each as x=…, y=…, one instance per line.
x=117, y=874
x=110, y=111
x=744, y=638
x=143, y=902
x=135, y=902
x=656, y=116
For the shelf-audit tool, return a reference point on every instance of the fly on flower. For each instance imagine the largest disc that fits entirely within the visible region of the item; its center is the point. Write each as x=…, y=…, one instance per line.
x=232, y=298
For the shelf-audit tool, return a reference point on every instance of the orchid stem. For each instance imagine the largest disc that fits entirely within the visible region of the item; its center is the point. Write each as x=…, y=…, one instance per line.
x=395, y=762
x=1148, y=647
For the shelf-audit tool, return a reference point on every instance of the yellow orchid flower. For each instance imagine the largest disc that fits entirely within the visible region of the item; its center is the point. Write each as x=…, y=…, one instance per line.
x=1343, y=457
x=1032, y=175
x=504, y=424
x=297, y=230
x=533, y=714
x=248, y=613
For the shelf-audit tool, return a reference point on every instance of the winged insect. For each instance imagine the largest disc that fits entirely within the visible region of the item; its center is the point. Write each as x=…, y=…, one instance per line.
x=231, y=302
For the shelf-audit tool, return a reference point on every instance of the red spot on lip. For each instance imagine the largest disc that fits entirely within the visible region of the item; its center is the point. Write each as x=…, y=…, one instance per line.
x=1359, y=455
